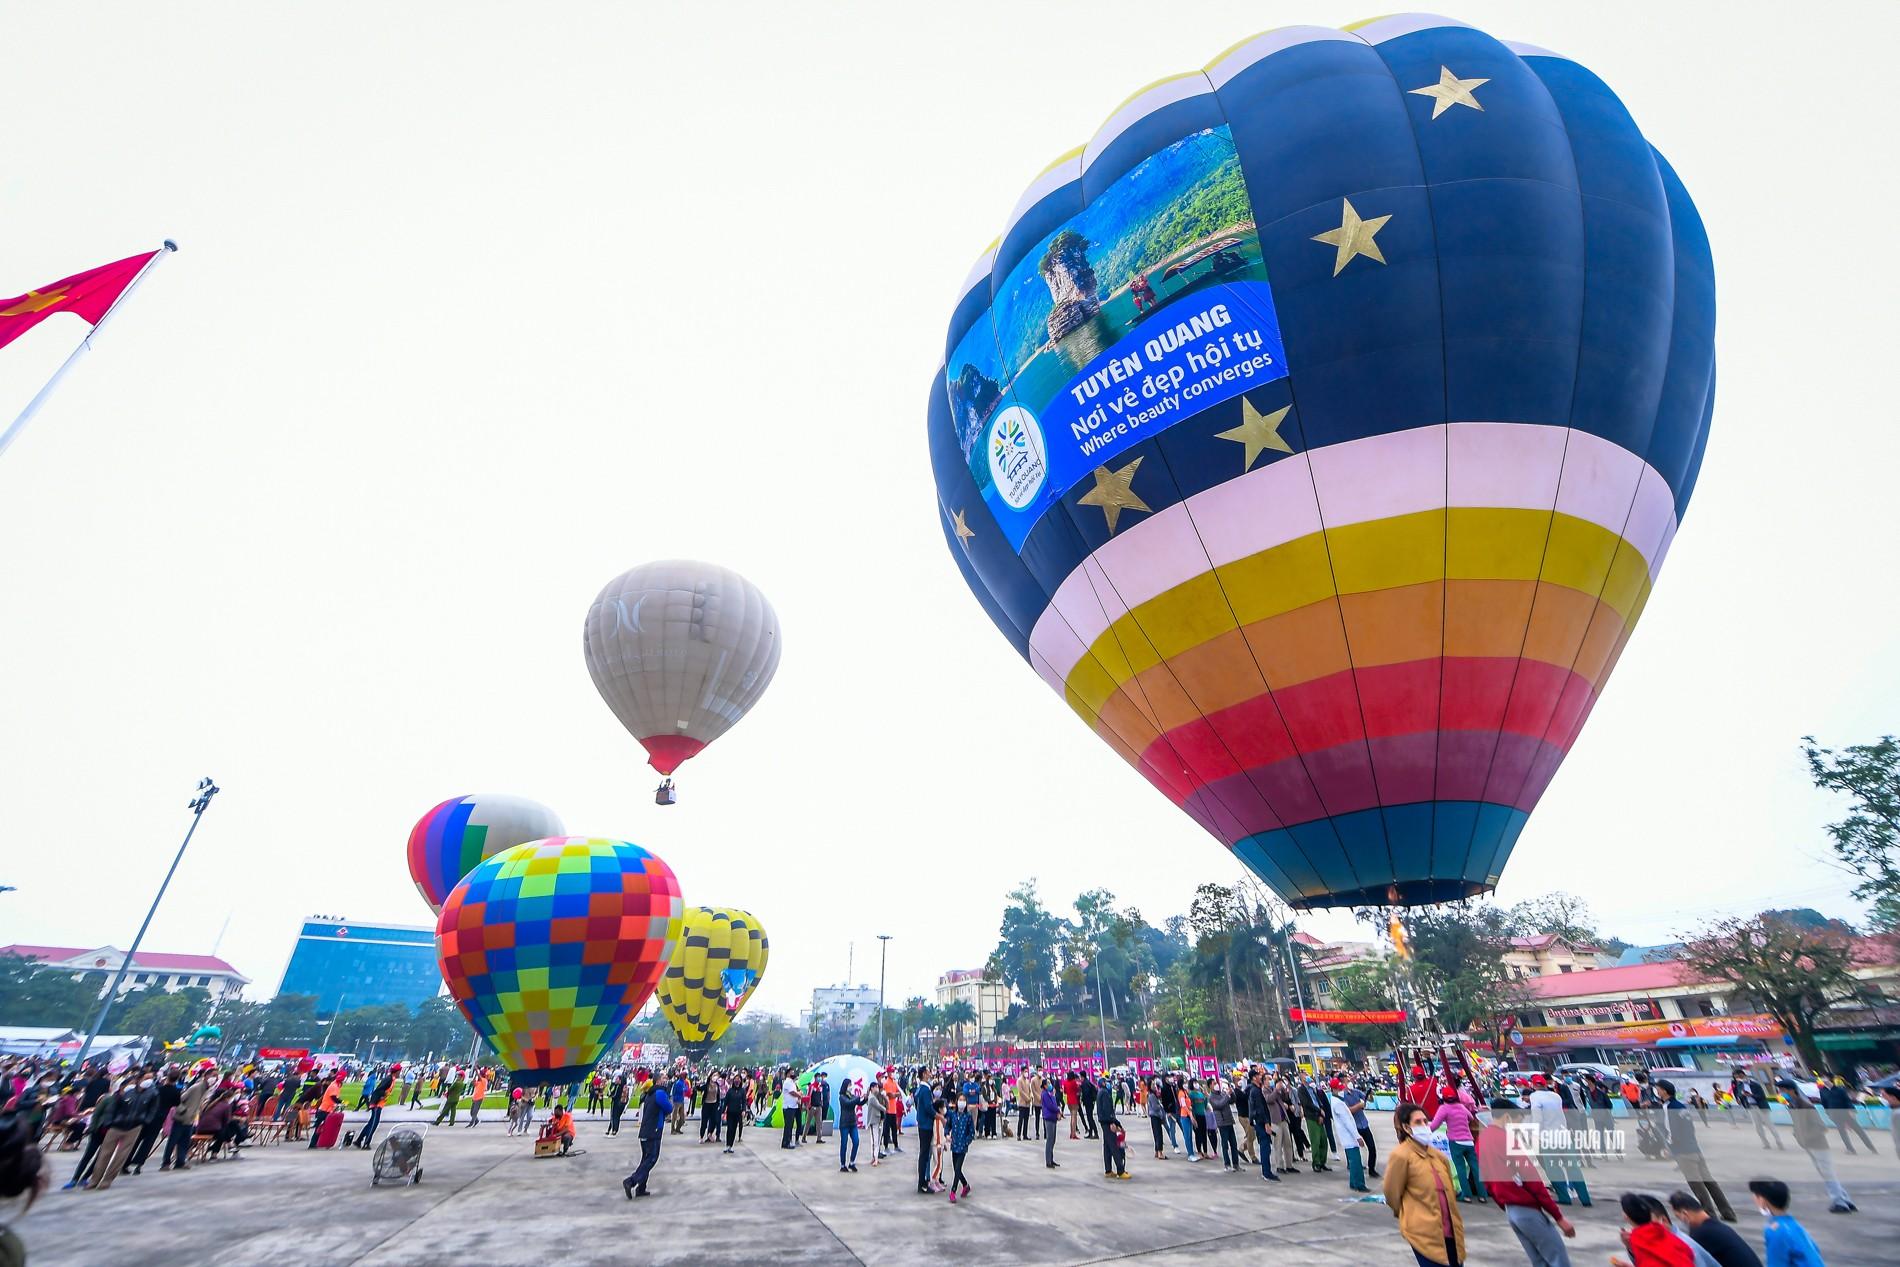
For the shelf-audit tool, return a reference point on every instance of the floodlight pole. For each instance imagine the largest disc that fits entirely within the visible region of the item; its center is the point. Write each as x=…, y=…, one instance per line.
x=199, y=802
x=883, y=944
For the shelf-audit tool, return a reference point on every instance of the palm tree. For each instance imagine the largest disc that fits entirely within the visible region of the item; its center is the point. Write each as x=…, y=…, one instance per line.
x=958, y=1013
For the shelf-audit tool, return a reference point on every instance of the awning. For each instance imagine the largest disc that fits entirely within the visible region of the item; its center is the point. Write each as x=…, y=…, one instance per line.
x=1707, y=1040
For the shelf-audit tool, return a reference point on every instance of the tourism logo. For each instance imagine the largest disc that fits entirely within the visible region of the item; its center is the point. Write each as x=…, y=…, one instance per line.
x=1017, y=467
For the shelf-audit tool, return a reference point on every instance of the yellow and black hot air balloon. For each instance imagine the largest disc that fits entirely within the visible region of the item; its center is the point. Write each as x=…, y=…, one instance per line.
x=715, y=968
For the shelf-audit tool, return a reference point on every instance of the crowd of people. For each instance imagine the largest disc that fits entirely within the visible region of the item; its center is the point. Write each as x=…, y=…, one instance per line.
x=1450, y=1144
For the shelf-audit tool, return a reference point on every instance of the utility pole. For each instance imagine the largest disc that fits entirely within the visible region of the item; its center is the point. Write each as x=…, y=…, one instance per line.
x=200, y=801
x=883, y=944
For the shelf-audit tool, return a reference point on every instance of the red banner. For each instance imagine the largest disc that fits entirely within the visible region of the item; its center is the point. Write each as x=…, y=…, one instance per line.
x=1321, y=1016
x=281, y=1053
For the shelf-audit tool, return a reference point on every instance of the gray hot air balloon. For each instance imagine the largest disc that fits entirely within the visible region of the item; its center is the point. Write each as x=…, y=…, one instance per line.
x=680, y=651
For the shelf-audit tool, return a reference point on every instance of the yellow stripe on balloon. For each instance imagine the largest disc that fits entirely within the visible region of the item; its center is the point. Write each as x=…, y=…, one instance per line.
x=1463, y=543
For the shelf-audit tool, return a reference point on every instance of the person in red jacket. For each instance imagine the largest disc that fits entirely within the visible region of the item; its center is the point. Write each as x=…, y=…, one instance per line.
x=1423, y=1091
x=1513, y=1181
x=1649, y=1238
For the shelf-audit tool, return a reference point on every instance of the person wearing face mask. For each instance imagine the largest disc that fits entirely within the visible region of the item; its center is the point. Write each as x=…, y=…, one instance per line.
x=1051, y=1113
x=1114, y=1137
x=849, y=1098
x=1722, y=1243
x=1787, y=1243
x=1418, y=1190
x=165, y=1095
x=961, y=1125
x=138, y=1100
x=1651, y=1241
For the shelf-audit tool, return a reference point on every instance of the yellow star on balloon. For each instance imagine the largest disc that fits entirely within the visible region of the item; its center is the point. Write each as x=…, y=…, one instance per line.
x=1114, y=492
x=1257, y=431
x=1451, y=91
x=961, y=529
x=1353, y=237
x=35, y=301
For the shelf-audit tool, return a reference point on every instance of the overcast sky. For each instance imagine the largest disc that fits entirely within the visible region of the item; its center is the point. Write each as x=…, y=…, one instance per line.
x=479, y=305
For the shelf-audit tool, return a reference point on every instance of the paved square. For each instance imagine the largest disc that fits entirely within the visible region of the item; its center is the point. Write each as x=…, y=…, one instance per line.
x=485, y=1201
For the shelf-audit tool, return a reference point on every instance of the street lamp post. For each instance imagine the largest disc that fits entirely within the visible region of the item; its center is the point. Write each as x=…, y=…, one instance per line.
x=199, y=802
x=1101, y=1007
x=1300, y=994
x=883, y=944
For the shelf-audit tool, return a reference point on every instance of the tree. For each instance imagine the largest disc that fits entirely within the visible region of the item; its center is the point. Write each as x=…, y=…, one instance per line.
x=957, y=1014
x=1182, y=1009
x=1558, y=914
x=159, y=1014
x=1026, y=949
x=1792, y=971
x=1867, y=841
x=34, y=995
x=1368, y=987
x=1458, y=965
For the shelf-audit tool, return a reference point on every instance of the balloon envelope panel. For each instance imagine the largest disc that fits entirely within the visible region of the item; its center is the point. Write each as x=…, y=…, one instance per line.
x=1319, y=429
x=549, y=949
x=718, y=963
x=447, y=842
x=680, y=651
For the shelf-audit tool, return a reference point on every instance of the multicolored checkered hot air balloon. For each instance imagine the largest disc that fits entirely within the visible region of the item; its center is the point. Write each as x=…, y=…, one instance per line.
x=447, y=842
x=715, y=968
x=549, y=948
x=1317, y=432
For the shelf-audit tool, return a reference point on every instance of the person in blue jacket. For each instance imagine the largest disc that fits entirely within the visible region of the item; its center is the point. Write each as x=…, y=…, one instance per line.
x=655, y=1109
x=1051, y=1112
x=961, y=1123
x=926, y=1106
x=1787, y=1243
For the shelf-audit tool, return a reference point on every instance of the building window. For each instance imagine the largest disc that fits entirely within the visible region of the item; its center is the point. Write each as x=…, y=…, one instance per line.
x=142, y=978
x=1563, y=967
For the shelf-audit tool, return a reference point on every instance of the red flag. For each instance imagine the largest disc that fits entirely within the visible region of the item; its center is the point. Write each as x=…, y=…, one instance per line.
x=89, y=294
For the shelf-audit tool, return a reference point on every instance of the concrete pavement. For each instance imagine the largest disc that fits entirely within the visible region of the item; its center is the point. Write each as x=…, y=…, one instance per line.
x=485, y=1200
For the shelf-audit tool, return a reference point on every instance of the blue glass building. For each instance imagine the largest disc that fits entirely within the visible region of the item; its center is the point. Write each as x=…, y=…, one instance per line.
x=349, y=965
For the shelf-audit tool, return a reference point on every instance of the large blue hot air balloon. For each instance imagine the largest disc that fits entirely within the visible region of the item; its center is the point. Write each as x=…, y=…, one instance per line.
x=1318, y=429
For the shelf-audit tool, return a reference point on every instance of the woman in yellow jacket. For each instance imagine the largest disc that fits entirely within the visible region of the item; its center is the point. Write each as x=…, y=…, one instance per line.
x=1419, y=1189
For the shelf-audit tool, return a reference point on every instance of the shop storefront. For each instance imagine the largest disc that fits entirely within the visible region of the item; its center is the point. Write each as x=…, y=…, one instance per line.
x=1703, y=1042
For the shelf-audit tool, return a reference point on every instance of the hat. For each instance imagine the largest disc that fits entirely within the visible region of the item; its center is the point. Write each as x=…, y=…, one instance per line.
x=1538, y=1080
x=1418, y=1071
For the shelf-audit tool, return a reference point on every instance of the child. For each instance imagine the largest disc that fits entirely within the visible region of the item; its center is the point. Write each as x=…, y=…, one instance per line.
x=1786, y=1242
x=962, y=1131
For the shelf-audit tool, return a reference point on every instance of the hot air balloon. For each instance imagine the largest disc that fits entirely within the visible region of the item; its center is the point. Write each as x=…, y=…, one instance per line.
x=680, y=651
x=716, y=966
x=447, y=842
x=550, y=947
x=1318, y=430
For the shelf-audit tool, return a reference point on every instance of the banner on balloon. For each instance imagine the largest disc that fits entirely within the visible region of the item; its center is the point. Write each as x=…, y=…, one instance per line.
x=1143, y=309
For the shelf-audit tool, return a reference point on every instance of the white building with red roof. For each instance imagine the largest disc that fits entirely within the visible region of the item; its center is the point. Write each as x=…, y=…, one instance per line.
x=151, y=968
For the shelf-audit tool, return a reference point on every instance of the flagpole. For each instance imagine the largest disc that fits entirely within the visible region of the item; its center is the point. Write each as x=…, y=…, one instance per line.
x=85, y=344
